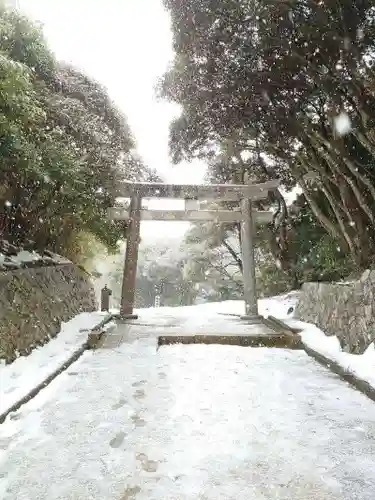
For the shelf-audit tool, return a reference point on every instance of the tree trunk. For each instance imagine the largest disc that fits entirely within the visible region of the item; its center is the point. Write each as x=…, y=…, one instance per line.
x=322, y=218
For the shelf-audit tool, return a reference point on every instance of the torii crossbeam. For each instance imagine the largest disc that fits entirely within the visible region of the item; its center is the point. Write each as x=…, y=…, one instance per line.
x=242, y=193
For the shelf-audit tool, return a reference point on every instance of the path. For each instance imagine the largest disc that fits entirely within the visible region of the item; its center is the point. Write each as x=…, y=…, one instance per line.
x=201, y=320
x=191, y=422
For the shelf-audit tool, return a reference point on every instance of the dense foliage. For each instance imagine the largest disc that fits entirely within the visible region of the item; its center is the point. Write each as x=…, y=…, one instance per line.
x=284, y=90
x=63, y=146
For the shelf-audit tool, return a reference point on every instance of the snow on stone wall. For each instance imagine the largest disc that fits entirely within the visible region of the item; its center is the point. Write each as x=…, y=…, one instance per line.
x=346, y=310
x=34, y=302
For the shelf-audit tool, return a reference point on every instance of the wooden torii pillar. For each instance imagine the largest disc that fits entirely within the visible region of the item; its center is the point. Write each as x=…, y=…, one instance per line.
x=244, y=194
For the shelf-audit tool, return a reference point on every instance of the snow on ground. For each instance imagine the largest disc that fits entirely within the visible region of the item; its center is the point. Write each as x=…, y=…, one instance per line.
x=26, y=372
x=17, y=379
x=188, y=422
x=191, y=422
x=276, y=306
x=363, y=366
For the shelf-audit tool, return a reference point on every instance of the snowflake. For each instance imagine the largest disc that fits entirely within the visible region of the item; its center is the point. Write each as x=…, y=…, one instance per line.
x=342, y=124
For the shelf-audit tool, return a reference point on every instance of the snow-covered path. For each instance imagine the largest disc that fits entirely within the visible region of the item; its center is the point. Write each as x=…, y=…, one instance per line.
x=191, y=422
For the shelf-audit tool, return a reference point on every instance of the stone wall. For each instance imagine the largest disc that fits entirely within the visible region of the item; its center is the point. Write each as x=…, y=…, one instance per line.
x=346, y=310
x=34, y=302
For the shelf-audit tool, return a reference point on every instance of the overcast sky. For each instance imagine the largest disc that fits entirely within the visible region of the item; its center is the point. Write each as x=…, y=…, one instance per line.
x=126, y=45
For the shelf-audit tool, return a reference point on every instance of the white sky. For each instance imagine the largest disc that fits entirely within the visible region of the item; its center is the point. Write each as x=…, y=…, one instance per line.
x=126, y=45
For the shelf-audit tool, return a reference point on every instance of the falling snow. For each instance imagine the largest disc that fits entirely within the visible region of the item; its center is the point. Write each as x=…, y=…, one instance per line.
x=342, y=124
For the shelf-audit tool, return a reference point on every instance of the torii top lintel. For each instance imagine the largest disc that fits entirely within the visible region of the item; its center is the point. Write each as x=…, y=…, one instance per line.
x=195, y=191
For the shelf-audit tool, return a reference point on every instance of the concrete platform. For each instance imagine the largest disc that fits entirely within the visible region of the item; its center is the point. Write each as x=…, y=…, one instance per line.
x=168, y=326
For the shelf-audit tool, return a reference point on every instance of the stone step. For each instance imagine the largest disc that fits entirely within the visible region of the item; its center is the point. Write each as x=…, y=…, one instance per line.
x=244, y=340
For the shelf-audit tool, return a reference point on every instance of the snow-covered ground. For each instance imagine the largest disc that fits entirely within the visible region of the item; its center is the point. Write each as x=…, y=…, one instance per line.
x=193, y=422
x=363, y=366
x=26, y=372
x=17, y=379
x=276, y=306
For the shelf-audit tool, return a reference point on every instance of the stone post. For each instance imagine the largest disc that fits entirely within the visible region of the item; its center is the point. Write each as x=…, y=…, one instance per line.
x=248, y=262
x=104, y=298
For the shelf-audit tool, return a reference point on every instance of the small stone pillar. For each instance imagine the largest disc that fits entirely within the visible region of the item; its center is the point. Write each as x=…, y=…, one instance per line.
x=104, y=300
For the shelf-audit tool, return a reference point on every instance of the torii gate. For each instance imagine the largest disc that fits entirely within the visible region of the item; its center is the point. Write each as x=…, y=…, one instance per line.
x=194, y=196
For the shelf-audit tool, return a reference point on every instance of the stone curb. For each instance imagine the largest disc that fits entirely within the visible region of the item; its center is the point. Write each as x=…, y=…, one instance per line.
x=292, y=334
x=361, y=385
x=358, y=383
x=96, y=330
x=96, y=333
x=279, y=325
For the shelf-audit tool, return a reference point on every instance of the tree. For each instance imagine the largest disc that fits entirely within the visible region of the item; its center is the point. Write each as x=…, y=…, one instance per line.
x=213, y=261
x=289, y=88
x=64, y=146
